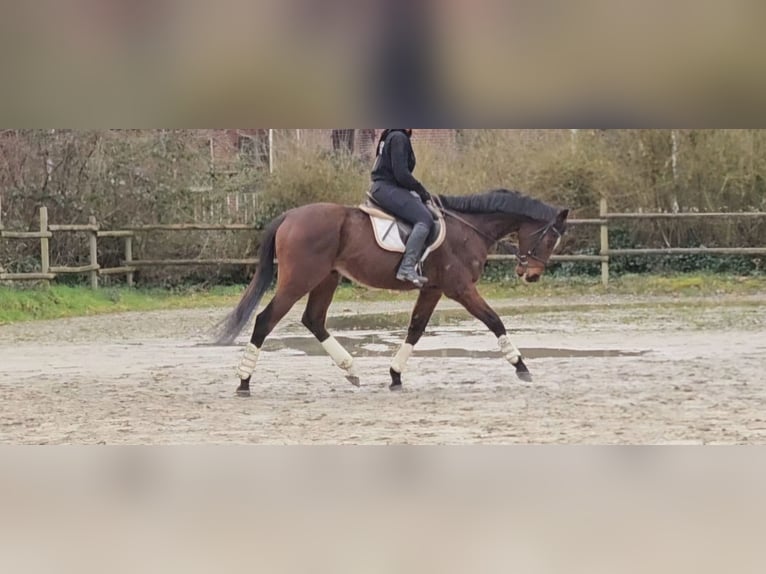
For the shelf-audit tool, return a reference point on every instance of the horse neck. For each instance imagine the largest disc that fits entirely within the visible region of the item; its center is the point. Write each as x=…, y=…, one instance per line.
x=495, y=225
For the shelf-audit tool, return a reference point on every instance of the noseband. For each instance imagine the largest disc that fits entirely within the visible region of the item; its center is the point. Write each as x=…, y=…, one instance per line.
x=531, y=253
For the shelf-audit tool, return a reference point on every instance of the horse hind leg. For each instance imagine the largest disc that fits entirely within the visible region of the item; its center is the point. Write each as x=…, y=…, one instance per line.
x=315, y=320
x=265, y=323
x=305, y=246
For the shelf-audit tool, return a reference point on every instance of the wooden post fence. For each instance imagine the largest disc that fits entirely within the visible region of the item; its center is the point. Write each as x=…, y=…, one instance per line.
x=93, y=244
x=129, y=258
x=45, y=253
x=130, y=265
x=44, y=234
x=49, y=272
x=604, y=236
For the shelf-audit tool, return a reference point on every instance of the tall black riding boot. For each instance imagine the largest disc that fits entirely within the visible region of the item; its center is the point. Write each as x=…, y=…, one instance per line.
x=413, y=251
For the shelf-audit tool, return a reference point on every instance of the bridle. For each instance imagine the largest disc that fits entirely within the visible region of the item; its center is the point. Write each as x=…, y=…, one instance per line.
x=523, y=258
x=531, y=252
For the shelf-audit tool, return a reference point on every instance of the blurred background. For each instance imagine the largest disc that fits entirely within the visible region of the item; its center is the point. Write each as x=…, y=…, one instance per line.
x=298, y=63
x=332, y=509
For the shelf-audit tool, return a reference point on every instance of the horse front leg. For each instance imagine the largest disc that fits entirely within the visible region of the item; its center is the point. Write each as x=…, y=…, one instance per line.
x=421, y=315
x=479, y=308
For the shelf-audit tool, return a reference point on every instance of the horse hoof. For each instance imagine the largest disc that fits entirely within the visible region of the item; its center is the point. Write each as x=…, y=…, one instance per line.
x=522, y=372
x=353, y=379
x=396, y=380
x=243, y=392
x=525, y=376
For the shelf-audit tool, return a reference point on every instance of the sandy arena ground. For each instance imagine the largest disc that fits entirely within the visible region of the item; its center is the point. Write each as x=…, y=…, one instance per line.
x=610, y=371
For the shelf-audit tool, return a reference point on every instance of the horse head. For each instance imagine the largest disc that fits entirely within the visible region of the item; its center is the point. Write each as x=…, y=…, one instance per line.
x=537, y=242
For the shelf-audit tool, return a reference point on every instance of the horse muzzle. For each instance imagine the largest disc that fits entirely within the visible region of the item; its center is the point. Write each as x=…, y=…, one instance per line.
x=529, y=274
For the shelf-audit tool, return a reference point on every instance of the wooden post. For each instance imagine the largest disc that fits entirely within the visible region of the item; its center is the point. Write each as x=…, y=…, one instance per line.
x=1, y=228
x=602, y=211
x=45, y=253
x=93, y=239
x=271, y=151
x=129, y=258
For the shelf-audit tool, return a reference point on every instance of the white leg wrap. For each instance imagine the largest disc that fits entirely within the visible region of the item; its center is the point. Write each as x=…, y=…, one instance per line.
x=509, y=349
x=248, y=362
x=399, y=361
x=339, y=355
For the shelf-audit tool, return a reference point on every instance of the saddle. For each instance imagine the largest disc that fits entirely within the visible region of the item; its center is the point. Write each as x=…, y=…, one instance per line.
x=391, y=233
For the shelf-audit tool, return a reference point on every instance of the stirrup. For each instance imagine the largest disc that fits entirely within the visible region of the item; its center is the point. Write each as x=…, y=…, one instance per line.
x=412, y=277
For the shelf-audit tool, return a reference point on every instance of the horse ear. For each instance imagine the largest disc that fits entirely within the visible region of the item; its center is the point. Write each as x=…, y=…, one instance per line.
x=562, y=216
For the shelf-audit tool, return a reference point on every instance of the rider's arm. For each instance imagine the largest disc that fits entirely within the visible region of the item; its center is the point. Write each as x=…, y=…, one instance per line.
x=400, y=163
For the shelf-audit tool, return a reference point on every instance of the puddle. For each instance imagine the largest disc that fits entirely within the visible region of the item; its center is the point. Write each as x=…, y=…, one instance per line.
x=450, y=333
x=399, y=320
x=377, y=346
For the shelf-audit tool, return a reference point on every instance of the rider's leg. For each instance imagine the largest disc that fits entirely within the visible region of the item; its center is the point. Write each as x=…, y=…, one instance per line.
x=409, y=207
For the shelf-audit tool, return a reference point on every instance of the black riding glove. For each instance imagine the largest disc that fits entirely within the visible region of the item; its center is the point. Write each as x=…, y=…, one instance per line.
x=425, y=197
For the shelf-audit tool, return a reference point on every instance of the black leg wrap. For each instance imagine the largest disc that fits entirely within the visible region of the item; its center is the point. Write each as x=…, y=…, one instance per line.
x=244, y=388
x=396, y=381
x=522, y=372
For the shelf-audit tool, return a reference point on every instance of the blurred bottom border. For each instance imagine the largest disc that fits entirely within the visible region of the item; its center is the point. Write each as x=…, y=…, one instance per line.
x=382, y=509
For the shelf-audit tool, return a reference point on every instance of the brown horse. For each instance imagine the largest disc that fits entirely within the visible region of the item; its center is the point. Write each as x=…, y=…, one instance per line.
x=318, y=243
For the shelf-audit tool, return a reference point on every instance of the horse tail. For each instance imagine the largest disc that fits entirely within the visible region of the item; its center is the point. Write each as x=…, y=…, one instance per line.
x=233, y=324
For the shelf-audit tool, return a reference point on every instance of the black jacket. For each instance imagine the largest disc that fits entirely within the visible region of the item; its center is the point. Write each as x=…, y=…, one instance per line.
x=395, y=162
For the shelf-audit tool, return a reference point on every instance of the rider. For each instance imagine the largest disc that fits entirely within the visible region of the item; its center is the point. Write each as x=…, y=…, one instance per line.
x=395, y=189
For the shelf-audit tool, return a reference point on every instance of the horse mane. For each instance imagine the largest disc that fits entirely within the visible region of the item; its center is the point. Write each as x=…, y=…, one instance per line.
x=501, y=201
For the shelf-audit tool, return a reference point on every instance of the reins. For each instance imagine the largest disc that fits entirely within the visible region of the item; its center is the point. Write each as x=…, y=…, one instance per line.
x=452, y=214
x=530, y=254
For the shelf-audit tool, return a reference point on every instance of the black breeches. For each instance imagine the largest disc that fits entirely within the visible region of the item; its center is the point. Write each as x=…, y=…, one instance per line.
x=402, y=203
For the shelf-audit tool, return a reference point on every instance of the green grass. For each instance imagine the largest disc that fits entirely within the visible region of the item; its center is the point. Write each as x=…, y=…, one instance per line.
x=60, y=301
x=647, y=285
x=25, y=304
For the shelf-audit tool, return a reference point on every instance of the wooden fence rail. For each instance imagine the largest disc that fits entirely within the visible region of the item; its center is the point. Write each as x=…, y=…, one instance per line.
x=129, y=265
